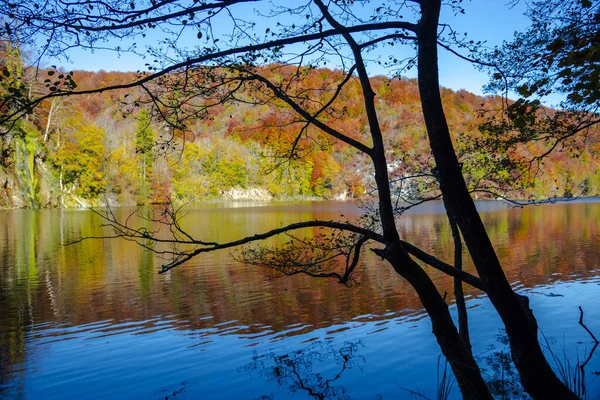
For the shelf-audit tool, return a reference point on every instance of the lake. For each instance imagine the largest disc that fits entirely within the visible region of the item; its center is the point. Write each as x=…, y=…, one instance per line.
x=94, y=320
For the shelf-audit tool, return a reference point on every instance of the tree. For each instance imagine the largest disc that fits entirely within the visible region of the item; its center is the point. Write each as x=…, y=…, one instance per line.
x=557, y=57
x=81, y=161
x=144, y=143
x=11, y=71
x=297, y=40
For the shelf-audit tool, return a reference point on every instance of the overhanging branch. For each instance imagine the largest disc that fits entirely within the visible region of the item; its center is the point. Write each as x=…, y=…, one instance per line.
x=214, y=56
x=312, y=118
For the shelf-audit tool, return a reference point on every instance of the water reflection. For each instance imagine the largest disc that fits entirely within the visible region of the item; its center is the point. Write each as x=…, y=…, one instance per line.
x=74, y=298
x=298, y=371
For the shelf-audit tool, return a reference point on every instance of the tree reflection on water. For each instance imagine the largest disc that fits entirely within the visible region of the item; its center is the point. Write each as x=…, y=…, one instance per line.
x=298, y=371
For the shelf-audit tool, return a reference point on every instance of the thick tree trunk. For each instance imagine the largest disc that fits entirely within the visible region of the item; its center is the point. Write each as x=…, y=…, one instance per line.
x=465, y=368
x=537, y=377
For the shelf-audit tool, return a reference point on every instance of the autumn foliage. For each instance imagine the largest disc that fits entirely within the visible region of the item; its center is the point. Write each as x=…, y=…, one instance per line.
x=104, y=146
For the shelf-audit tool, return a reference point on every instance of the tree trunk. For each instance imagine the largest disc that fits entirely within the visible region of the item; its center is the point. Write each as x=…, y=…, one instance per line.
x=461, y=306
x=537, y=377
x=49, y=120
x=459, y=356
x=465, y=368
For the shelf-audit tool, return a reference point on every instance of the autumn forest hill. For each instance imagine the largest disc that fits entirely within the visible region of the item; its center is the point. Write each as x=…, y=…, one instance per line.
x=88, y=149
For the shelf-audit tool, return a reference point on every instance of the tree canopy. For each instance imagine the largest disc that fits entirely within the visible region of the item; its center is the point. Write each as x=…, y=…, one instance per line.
x=554, y=60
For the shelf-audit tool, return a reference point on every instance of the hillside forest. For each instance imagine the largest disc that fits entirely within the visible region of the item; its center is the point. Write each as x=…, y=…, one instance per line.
x=104, y=148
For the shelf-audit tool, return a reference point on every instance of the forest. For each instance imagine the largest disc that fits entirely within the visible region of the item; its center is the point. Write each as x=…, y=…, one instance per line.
x=102, y=148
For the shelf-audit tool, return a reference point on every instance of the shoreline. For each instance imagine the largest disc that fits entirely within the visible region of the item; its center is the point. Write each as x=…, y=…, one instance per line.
x=239, y=203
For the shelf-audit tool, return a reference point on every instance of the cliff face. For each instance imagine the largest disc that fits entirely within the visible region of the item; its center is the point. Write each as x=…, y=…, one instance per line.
x=28, y=181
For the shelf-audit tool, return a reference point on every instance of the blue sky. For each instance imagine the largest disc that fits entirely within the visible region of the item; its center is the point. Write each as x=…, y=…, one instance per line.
x=492, y=21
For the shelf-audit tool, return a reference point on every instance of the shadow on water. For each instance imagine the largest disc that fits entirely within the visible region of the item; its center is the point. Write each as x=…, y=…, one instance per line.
x=313, y=372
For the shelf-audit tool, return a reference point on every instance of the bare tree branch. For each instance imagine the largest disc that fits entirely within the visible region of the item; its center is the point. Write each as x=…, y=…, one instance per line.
x=210, y=56
x=442, y=266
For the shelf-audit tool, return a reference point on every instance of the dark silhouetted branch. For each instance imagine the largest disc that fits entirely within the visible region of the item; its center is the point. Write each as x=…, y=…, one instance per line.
x=442, y=266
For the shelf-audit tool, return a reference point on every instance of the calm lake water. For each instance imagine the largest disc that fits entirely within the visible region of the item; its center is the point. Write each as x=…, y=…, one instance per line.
x=96, y=321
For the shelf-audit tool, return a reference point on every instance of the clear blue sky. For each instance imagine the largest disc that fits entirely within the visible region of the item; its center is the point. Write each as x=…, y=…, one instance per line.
x=492, y=21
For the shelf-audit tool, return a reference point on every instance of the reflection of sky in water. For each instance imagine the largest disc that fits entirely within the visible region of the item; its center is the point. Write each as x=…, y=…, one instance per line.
x=95, y=321
x=156, y=358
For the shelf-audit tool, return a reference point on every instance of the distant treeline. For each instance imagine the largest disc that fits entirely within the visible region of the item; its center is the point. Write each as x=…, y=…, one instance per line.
x=90, y=149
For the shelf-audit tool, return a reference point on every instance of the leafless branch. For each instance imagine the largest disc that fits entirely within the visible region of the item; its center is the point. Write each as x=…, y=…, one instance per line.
x=442, y=266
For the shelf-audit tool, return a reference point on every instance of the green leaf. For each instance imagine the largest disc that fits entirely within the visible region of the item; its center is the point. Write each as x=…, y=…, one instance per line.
x=524, y=91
